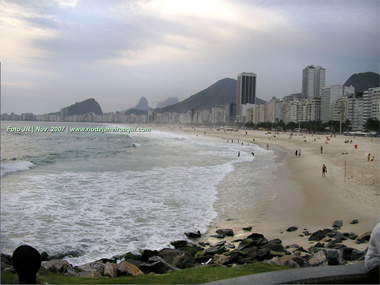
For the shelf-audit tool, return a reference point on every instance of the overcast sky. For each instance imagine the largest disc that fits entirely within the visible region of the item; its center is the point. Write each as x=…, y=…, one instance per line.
x=57, y=52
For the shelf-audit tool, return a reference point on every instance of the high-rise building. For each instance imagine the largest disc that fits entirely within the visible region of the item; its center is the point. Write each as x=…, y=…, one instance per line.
x=245, y=93
x=313, y=80
x=329, y=95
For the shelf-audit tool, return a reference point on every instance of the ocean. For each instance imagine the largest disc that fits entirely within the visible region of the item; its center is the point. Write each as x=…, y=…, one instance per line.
x=91, y=195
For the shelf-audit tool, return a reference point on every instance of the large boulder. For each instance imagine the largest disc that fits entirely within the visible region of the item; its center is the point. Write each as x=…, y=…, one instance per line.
x=89, y=270
x=55, y=265
x=318, y=259
x=220, y=259
x=177, y=258
x=126, y=268
x=110, y=270
x=317, y=236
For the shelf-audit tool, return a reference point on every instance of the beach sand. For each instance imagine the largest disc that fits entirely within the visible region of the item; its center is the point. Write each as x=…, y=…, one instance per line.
x=303, y=198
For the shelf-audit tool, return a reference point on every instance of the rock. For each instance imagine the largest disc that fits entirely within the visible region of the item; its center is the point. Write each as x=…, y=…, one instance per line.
x=248, y=229
x=274, y=247
x=275, y=241
x=177, y=258
x=179, y=243
x=232, y=246
x=225, y=232
x=6, y=262
x=257, y=239
x=292, y=246
x=347, y=253
x=196, y=234
x=292, y=229
x=251, y=252
x=161, y=266
x=275, y=260
x=358, y=255
x=86, y=270
x=352, y=236
x=339, y=237
x=317, y=236
x=318, y=259
x=306, y=233
x=126, y=268
x=109, y=270
x=299, y=260
x=220, y=259
x=215, y=249
x=334, y=257
x=353, y=222
x=337, y=224
x=55, y=265
x=147, y=253
x=364, y=238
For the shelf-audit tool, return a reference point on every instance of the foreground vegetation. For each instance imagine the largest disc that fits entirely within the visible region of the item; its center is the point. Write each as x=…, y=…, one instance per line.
x=184, y=276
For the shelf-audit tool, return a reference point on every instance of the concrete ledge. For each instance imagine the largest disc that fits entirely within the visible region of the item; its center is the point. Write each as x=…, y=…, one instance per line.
x=341, y=274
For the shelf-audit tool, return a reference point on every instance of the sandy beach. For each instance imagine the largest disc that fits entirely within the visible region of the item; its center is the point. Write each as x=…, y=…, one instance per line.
x=303, y=198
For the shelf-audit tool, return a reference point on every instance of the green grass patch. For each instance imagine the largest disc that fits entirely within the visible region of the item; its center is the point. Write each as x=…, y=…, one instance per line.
x=184, y=276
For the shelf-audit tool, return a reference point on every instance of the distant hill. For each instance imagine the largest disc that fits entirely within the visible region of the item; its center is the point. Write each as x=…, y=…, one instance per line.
x=222, y=92
x=363, y=81
x=142, y=104
x=167, y=102
x=84, y=107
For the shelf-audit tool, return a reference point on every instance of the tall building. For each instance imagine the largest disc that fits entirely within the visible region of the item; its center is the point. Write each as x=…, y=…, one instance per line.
x=313, y=80
x=329, y=95
x=371, y=104
x=245, y=92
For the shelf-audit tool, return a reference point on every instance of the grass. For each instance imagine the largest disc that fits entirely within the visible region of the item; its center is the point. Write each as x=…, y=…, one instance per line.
x=184, y=276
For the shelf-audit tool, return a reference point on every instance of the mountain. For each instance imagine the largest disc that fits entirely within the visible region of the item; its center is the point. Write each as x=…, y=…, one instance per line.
x=142, y=104
x=363, y=81
x=84, y=107
x=167, y=102
x=222, y=92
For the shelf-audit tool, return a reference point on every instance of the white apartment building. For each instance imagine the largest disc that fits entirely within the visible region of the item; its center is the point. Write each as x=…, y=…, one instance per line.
x=371, y=104
x=329, y=95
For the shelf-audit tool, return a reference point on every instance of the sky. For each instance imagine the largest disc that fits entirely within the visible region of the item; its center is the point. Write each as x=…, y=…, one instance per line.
x=54, y=53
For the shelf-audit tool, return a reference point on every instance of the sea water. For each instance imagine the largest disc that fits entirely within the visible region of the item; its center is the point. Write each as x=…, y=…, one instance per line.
x=91, y=195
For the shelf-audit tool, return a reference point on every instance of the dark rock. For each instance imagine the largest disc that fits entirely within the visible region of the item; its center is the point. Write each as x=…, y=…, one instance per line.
x=251, y=252
x=44, y=256
x=177, y=258
x=352, y=236
x=232, y=246
x=193, y=234
x=221, y=243
x=330, y=233
x=364, y=238
x=130, y=255
x=215, y=249
x=257, y=239
x=225, y=232
x=337, y=224
x=6, y=262
x=274, y=247
x=275, y=241
x=300, y=261
x=248, y=229
x=347, y=253
x=317, y=236
x=306, y=233
x=244, y=260
x=334, y=257
x=179, y=243
x=203, y=244
x=353, y=222
x=357, y=255
x=147, y=253
x=301, y=249
x=339, y=237
x=319, y=244
x=292, y=229
x=203, y=256
x=158, y=266
x=334, y=245
x=264, y=253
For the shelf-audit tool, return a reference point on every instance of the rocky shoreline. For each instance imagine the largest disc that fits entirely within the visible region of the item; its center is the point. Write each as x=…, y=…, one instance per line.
x=326, y=249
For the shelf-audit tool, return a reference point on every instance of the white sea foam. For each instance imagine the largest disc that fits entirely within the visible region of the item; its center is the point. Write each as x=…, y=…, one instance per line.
x=15, y=167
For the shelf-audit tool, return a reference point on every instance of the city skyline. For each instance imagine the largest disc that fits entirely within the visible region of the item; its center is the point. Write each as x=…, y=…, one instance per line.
x=60, y=52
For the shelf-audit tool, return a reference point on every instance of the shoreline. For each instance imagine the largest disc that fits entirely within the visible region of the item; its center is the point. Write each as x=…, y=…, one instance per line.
x=303, y=198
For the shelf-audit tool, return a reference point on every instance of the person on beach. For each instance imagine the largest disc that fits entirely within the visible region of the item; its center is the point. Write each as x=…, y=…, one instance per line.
x=372, y=258
x=299, y=152
x=324, y=170
x=321, y=148
x=267, y=146
x=369, y=157
x=239, y=154
x=296, y=152
x=26, y=263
